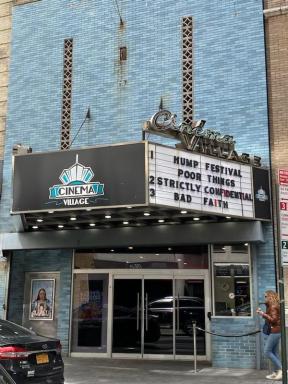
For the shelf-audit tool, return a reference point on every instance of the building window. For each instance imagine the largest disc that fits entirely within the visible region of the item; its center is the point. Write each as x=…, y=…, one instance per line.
x=187, y=68
x=231, y=280
x=67, y=94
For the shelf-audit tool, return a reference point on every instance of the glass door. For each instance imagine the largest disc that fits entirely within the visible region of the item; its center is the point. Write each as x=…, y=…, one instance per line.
x=89, y=316
x=153, y=316
x=158, y=316
x=127, y=316
x=189, y=308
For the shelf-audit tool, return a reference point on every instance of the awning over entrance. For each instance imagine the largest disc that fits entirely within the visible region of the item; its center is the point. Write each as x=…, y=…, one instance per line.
x=154, y=236
x=135, y=185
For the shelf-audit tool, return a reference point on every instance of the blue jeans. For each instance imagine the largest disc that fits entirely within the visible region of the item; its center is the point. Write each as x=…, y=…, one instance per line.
x=271, y=349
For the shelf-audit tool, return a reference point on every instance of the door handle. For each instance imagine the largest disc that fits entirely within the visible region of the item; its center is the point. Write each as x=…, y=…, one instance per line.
x=178, y=313
x=137, y=314
x=146, y=311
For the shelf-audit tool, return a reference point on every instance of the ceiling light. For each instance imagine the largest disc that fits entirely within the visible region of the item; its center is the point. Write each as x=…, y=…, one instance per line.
x=111, y=250
x=73, y=218
x=92, y=224
x=130, y=247
x=146, y=214
x=169, y=249
x=107, y=216
x=35, y=227
x=125, y=222
x=196, y=218
x=60, y=226
x=183, y=212
x=246, y=244
x=228, y=217
x=39, y=220
x=161, y=221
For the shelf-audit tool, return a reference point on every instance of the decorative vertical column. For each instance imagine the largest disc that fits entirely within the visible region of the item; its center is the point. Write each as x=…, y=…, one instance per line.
x=187, y=69
x=67, y=94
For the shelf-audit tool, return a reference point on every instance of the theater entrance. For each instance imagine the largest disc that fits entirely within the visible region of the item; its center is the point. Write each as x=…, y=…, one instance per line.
x=139, y=316
x=153, y=316
x=140, y=313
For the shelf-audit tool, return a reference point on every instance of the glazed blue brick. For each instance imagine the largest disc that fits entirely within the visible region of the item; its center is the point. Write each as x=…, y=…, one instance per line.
x=229, y=72
x=229, y=93
x=42, y=261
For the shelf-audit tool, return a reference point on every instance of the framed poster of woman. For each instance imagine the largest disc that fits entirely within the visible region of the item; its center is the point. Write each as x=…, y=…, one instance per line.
x=42, y=299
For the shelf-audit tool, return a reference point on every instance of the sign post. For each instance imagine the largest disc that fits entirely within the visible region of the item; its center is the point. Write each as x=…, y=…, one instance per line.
x=283, y=257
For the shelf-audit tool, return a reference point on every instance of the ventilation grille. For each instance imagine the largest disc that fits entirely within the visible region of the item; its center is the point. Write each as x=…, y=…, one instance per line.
x=187, y=68
x=67, y=94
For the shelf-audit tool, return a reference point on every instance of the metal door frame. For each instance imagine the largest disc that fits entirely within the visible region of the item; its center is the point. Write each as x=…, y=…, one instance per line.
x=199, y=274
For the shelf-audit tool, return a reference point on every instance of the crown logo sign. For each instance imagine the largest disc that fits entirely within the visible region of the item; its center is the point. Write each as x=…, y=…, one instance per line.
x=77, y=174
x=76, y=187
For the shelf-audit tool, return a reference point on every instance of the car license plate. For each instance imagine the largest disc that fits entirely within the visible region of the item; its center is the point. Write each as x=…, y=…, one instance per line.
x=42, y=358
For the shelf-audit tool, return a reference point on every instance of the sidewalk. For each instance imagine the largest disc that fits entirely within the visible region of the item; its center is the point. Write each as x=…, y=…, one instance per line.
x=107, y=371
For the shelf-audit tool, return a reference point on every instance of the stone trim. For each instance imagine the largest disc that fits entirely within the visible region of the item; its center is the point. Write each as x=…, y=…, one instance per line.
x=22, y=2
x=276, y=11
x=5, y=37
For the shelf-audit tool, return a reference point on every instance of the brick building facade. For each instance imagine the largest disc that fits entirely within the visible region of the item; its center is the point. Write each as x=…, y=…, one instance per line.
x=123, y=62
x=276, y=17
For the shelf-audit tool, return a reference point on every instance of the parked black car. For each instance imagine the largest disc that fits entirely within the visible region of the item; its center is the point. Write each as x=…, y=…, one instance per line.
x=28, y=357
x=187, y=310
x=126, y=326
x=5, y=378
x=125, y=330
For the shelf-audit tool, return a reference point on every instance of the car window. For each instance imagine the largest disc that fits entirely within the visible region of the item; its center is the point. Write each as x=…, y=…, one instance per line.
x=161, y=304
x=190, y=303
x=8, y=329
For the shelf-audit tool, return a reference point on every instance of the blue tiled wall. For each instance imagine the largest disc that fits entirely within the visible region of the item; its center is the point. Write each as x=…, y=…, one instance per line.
x=233, y=352
x=42, y=261
x=229, y=84
x=241, y=351
x=229, y=72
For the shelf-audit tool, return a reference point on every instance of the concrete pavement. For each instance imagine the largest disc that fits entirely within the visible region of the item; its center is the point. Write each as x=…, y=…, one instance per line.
x=118, y=371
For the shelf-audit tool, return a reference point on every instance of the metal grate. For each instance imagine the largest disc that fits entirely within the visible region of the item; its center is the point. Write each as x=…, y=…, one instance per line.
x=67, y=94
x=187, y=68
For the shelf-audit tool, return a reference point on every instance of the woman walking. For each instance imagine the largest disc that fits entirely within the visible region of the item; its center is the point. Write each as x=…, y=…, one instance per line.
x=272, y=319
